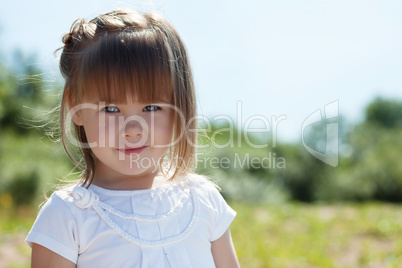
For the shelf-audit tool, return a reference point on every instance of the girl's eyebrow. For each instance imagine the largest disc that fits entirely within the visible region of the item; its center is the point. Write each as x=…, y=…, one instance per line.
x=161, y=101
x=104, y=102
x=99, y=101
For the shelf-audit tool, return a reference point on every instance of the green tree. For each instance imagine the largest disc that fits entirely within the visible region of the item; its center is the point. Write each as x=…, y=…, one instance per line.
x=372, y=169
x=19, y=89
x=385, y=113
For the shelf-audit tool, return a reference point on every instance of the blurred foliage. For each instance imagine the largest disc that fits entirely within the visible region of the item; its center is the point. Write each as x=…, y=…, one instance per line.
x=20, y=90
x=373, y=169
x=244, y=172
x=28, y=160
x=368, y=168
x=384, y=113
x=23, y=188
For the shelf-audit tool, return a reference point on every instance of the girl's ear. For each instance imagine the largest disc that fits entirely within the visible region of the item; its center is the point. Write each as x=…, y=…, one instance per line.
x=73, y=109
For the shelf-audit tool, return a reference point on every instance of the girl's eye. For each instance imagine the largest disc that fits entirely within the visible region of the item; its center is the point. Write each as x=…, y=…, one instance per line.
x=151, y=108
x=110, y=109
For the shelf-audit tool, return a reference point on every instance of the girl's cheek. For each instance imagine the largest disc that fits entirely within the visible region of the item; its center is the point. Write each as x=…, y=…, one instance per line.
x=91, y=130
x=111, y=132
x=162, y=125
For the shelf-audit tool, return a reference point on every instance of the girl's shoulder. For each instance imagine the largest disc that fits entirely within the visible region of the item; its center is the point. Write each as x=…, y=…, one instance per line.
x=192, y=181
x=204, y=187
x=60, y=199
x=199, y=182
x=65, y=194
x=199, y=179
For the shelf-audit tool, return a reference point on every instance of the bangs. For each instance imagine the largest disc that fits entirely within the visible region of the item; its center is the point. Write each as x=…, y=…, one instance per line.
x=129, y=64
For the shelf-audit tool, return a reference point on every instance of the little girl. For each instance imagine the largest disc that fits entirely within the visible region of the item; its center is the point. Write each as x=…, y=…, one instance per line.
x=130, y=93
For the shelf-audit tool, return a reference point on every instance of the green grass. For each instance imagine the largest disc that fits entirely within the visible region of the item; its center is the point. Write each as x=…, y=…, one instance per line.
x=300, y=235
x=14, y=226
x=289, y=235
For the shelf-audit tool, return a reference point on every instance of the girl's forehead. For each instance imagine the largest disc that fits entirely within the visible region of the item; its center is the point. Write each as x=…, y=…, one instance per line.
x=125, y=95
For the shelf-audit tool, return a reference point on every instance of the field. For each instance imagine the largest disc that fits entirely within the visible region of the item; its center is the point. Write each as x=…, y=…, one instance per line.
x=296, y=235
x=291, y=235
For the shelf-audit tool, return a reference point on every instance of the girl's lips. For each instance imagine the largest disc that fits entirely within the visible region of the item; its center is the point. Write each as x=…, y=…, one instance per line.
x=129, y=151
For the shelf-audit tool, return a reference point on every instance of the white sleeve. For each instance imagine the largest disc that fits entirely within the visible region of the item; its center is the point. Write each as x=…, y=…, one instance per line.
x=223, y=214
x=55, y=228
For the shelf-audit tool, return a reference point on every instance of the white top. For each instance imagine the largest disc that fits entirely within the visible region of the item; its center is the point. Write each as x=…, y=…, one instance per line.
x=171, y=225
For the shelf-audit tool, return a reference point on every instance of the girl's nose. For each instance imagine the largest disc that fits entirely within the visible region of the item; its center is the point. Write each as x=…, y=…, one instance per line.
x=133, y=128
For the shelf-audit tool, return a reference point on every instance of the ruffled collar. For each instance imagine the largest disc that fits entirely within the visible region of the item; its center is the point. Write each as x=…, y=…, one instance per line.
x=85, y=199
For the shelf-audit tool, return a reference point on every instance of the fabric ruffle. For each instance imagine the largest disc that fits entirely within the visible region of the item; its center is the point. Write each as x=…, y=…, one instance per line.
x=86, y=198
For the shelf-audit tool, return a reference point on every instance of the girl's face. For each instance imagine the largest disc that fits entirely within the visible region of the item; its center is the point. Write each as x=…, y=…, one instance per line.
x=127, y=139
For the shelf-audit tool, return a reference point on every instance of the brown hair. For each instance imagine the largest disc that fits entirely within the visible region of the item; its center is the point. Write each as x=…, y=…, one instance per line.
x=124, y=53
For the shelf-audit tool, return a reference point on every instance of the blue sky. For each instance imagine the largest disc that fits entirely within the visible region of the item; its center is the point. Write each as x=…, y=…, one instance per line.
x=275, y=57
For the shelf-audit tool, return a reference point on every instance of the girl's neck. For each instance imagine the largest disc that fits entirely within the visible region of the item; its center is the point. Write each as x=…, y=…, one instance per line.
x=112, y=180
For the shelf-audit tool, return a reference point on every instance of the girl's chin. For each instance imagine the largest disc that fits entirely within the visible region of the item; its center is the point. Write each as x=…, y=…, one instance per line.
x=138, y=172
